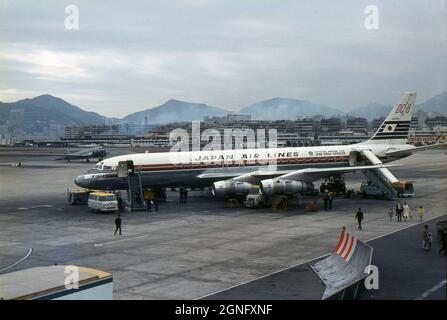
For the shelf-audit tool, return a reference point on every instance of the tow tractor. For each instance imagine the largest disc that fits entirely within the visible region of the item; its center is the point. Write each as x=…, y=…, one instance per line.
x=336, y=184
x=255, y=199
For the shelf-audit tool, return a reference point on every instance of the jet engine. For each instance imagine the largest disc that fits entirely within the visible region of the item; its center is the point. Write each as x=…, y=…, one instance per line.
x=230, y=187
x=270, y=187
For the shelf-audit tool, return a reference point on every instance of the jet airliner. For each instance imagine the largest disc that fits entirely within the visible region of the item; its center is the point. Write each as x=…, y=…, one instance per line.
x=276, y=170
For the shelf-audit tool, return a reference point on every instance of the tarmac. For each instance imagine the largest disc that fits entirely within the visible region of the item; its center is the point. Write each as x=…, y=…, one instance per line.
x=203, y=248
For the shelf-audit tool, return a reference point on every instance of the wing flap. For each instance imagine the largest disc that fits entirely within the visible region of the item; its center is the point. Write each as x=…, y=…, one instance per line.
x=313, y=174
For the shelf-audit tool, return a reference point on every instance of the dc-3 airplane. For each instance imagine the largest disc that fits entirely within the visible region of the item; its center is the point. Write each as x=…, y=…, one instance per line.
x=92, y=153
x=293, y=170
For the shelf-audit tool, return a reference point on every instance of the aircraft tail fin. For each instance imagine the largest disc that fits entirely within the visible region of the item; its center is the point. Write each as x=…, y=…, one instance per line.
x=395, y=128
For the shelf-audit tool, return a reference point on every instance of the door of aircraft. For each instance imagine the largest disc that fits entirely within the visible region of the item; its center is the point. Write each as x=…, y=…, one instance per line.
x=125, y=168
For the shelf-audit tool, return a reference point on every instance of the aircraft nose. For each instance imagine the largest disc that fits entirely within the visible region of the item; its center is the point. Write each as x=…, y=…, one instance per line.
x=80, y=181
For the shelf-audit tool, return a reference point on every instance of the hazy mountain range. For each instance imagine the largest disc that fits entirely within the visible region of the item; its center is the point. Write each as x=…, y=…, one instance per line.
x=54, y=110
x=287, y=109
x=174, y=111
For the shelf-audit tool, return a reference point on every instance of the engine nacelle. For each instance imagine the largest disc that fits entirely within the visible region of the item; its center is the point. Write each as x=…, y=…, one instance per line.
x=270, y=187
x=230, y=187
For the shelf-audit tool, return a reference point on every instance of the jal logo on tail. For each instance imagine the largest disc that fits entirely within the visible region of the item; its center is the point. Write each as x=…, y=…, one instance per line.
x=403, y=108
x=390, y=127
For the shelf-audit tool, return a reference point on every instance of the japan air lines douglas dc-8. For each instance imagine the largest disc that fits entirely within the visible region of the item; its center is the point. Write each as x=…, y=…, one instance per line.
x=294, y=169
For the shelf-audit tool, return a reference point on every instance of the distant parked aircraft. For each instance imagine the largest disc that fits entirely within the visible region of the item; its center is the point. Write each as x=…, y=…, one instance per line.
x=96, y=152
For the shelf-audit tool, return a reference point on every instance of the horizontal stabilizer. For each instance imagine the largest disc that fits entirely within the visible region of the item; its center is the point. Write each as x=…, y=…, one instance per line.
x=415, y=149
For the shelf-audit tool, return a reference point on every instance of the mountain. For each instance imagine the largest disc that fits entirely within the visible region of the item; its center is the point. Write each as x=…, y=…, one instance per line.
x=46, y=108
x=174, y=111
x=287, y=109
x=52, y=103
x=436, y=104
x=44, y=116
x=371, y=111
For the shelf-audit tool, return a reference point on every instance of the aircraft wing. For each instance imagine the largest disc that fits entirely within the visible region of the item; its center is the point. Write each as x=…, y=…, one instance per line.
x=72, y=157
x=252, y=177
x=313, y=174
x=416, y=149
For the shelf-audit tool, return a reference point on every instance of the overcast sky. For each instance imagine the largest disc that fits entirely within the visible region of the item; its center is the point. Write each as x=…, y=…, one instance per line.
x=132, y=55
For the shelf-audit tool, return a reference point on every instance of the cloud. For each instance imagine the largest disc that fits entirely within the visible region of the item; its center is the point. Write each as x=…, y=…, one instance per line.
x=126, y=57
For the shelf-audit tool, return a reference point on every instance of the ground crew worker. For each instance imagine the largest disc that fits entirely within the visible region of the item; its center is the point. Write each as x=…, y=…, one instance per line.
x=326, y=201
x=156, y=204
x=359, y=218
x=148, y=205
x=118, y=224
x=421, y=212
x=443, y=241
x=331, y=199
x=185, y=195
x=182, y=195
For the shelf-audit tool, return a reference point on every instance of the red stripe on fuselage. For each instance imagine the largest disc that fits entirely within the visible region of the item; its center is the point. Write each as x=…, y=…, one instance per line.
x=238, y=163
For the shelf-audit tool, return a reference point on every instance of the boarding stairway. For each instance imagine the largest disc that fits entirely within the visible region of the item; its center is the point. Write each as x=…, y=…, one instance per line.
x=135, y=197
x=135, y=192
x=381, y=177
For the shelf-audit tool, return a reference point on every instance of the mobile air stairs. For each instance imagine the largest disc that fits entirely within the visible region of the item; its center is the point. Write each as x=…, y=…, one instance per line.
x=388, y=184
x=135, y=196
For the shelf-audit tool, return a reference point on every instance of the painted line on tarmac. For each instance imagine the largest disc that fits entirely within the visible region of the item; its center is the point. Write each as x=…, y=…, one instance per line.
x=38, y=206
x=30, y=250
x=430, y=291
x=306, y=262
x=118, y=241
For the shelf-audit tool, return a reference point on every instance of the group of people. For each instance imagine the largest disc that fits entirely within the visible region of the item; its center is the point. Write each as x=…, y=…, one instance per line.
x=150, y=202
x=183, y=195
x=328, y=200
x=405, y=213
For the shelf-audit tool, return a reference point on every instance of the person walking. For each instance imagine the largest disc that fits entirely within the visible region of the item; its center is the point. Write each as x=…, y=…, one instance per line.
x=118, y=225
x=406, y=211
x=391, y=214
x=359, y=218
x=426, y=238
x=156, y=204
x=443, y=241
x=399, y=211
x=421, y=212
x=148, y=205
